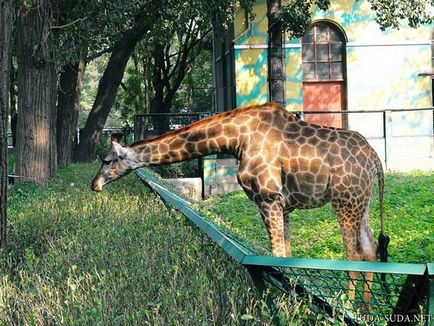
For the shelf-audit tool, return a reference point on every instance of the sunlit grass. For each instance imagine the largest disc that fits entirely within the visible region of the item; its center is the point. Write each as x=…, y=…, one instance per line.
x=409, y=210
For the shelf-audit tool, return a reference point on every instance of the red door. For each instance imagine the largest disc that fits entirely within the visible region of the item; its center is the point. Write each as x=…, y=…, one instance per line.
x=324, y=96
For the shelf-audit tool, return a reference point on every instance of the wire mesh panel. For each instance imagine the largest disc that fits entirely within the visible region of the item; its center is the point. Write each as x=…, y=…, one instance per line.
x=350, y=297
x=412, y=132
x=333, y=288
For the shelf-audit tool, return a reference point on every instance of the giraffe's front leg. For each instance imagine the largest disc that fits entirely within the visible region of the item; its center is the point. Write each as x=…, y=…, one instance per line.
x=272, y=214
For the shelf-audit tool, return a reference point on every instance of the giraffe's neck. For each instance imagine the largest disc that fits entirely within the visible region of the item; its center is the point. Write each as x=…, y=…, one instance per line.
x=210, y=136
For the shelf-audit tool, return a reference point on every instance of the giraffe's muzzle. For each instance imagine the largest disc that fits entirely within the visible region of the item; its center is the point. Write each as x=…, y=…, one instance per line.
x=96, y=188
x=97, y=184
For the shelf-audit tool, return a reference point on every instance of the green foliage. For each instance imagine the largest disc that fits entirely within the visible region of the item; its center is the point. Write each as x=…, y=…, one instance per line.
x=93, y=24
x=296, y=16
x=409, y=207
x=194, y=93
x=393, y=13
x=196, y=90
x=119, y=257
x=169, y=70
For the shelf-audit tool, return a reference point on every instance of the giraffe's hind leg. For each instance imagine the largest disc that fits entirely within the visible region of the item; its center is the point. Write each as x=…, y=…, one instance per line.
x=359, y=242
x=369, y=249
x=349, y=235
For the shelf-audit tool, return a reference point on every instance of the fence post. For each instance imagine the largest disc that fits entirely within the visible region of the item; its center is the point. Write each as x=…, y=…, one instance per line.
x=430, y=296
x=388, y=137
x=136, y=128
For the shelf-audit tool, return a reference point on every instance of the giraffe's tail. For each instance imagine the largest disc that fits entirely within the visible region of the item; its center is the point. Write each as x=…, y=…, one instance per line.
x=383, y=240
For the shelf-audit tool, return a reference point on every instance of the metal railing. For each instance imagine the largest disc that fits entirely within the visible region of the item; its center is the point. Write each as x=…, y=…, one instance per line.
x=395, y=133
x=156, y=124
x=106, y=132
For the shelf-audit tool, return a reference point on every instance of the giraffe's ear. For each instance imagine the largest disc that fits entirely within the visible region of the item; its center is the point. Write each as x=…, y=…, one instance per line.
x=119, y=150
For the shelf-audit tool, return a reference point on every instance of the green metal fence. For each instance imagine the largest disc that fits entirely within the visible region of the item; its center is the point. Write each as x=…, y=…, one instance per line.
x=407, y=296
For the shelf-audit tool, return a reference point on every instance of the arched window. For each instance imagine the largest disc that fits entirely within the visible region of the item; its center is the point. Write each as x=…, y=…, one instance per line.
x=323, y=53
x=324, y=87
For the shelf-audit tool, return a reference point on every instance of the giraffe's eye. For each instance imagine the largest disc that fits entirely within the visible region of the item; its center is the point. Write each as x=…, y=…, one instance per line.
x=108, y=159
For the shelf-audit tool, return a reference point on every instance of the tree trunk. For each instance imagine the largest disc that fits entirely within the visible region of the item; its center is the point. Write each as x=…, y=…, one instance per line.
x=36, y=138
x=68, y=107
x=160, y=81
x=276, y=74
x=6, y=21
x=107, y=90
x=66, y=113
x=161, y=122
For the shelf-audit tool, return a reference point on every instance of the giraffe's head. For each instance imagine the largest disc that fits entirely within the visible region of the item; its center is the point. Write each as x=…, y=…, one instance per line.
x=119, y=162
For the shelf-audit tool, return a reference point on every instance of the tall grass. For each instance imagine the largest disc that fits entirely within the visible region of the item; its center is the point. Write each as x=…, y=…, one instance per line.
x=119, y=257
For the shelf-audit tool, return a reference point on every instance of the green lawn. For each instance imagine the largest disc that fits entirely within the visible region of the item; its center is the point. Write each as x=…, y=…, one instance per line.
x=119, y=257
x=409, y=211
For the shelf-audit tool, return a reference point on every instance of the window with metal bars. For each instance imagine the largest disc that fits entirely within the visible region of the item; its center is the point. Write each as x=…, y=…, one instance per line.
x=323, y=57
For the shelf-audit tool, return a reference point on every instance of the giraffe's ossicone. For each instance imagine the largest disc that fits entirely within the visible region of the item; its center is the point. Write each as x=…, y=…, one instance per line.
x=285, y=163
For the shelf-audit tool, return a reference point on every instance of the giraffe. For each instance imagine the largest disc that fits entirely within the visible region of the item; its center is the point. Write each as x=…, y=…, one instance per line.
x=285, y=163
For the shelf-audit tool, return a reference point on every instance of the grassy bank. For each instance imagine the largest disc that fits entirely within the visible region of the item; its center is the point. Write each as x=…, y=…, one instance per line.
x=118, y=258
x=409, y=207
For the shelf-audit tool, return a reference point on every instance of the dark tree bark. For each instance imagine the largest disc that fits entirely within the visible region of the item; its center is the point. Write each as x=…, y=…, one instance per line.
x=276, y=74
x=6, y=21
x=68, y=107
x=36, y=138
x=107, y=89
x=66, y=114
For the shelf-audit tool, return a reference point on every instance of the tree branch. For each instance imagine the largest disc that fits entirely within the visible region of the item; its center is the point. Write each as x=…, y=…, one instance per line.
x=98, y=54
x=69, y=24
